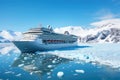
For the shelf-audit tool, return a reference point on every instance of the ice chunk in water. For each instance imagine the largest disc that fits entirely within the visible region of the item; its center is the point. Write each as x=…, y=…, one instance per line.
x=60, y=74
x=80, y=71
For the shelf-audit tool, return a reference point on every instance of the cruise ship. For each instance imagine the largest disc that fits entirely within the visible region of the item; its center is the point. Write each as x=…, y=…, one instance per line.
x=42, y=39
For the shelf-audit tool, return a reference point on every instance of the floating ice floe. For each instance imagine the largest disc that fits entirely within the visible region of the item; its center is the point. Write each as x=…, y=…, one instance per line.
x=31, y=73
x=9, y=72
x=49, y=77
x=48, y=73
x=18, y=75
x=25, y=58
x=20, y=65
x=105, y=54
x=60, y=74
x=50, y=66
x=80, y=71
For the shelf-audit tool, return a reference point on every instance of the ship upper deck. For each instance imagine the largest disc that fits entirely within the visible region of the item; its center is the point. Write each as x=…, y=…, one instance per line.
x=48, y=35
x=39, y=30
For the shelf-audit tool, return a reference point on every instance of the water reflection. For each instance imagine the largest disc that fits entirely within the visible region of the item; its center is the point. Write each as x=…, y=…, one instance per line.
x=47, y=65
x=39, y=64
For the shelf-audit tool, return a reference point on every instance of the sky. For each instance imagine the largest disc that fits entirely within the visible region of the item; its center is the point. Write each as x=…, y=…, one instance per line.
x=20, y=15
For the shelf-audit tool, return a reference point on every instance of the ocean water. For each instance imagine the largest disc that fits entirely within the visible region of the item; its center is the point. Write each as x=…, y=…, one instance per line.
x=84, y=62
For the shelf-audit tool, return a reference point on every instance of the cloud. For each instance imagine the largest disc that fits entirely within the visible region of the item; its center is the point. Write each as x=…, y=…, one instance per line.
x=108, y=16
x=115, y=23
x=116, y=2
x=105, y=14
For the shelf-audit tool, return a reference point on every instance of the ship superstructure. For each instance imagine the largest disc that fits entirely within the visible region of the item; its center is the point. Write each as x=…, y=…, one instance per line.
x=40, y=39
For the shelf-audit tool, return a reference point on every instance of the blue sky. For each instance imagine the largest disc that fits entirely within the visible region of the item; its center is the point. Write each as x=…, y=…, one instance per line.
x=20, y=15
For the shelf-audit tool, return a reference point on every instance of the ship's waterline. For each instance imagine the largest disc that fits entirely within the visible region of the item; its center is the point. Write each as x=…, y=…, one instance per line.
x=32, y=46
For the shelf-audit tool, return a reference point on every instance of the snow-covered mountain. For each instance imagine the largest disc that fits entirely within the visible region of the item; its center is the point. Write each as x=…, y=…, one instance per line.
x=8, y=35
x=111, y=35
x=104, y=31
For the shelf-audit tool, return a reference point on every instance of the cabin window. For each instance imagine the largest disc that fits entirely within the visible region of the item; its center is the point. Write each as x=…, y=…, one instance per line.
x=53, y=41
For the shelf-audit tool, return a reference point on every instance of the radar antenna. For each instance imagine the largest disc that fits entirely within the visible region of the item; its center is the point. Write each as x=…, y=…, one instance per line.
x=50, y=28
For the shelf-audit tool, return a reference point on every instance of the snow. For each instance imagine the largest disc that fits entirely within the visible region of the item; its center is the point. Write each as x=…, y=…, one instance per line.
x=111, y=26
x=76, y=30
x=97, y=28
x=60, y=74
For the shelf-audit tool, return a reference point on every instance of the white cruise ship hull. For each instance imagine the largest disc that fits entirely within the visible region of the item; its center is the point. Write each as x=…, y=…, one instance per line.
x=33, y=46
